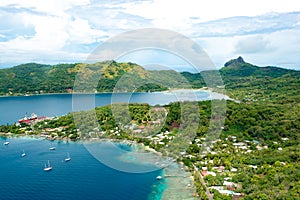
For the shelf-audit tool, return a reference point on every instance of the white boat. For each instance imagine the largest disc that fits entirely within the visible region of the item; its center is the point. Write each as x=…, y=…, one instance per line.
x=47, y=167
x=6, y=143
x=52, y=148
x=23, y=154
x=158, y=177
x=68, y=158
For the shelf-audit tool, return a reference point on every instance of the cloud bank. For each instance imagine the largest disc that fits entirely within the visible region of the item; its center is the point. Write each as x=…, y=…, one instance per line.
x=264, y=33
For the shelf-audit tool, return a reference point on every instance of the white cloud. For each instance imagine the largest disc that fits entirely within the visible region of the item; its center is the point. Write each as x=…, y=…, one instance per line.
x=236, y=26
x=80, y=32
x=54, y=30
x=252, y=44
x=52, y=33
x=53, y=7
x=170, y=14
x=280, y=48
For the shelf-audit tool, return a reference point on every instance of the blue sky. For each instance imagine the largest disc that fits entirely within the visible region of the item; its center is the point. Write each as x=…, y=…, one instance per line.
x=263, y=32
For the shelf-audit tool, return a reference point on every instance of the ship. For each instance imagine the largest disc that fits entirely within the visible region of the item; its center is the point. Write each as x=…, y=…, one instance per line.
x=32, y=118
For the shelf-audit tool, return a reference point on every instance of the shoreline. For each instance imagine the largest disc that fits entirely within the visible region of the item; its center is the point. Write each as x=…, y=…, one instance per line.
x=66, y=93
x=177, y=182
x=169, y=192
x=208, y=90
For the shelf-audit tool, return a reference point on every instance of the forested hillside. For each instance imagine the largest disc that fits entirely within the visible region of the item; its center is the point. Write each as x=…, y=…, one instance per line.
x=242, y=80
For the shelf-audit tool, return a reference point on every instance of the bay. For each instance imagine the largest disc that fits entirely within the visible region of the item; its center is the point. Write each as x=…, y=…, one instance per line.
x=84, y=177
x=14, y=108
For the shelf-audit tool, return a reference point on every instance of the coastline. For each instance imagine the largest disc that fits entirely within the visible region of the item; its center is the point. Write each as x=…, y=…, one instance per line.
x=180, y=183
x=176, y=184
x=71, y=93
x=173, y=184
x=213, y=95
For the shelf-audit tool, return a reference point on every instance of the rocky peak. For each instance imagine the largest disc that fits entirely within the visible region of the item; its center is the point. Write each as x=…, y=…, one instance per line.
x=234, y=62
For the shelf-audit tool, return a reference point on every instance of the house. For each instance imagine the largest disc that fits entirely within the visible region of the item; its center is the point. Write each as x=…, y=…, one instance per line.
x=204, y=173
x=217, y=187
x=259, y=148
x=211, y=173
x=226, y=192
x=253, y=166
x=237, y=196
x=238, y=144
x=229, y=185
x=233, y=169
x=221, y=168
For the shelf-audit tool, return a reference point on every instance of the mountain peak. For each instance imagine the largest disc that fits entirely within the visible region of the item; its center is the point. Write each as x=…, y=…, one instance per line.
x=233, y=62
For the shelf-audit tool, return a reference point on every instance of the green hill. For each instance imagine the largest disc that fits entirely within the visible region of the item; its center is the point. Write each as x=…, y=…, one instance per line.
x=35, y=78
x=242, y=80
x=239, y=68
x=248, y=82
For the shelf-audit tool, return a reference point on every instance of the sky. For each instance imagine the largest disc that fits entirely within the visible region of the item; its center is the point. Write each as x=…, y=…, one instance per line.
x=263, y=32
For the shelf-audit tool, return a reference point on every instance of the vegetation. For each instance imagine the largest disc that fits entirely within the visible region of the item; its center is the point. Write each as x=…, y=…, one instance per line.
x=35, y=78
x=257, y=151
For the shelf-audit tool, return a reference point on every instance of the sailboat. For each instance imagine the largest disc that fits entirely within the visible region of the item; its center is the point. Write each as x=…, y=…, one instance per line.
x=23, y=154
x=68, y=158
x=48, y=168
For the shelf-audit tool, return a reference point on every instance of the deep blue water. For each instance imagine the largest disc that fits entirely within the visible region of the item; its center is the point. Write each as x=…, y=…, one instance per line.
x=83, y=177
x=14, y=108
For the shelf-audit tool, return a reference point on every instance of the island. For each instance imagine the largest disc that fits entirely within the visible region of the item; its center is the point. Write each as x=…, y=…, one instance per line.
x=256, y=155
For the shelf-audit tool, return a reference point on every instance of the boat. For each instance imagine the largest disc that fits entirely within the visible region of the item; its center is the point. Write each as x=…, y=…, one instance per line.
x=68, y=158
x=52, y=148
x=6, y=143
x=32, y=118
x=23, y=154
x=158, y=177
x=26, y=119
x=47, y=167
